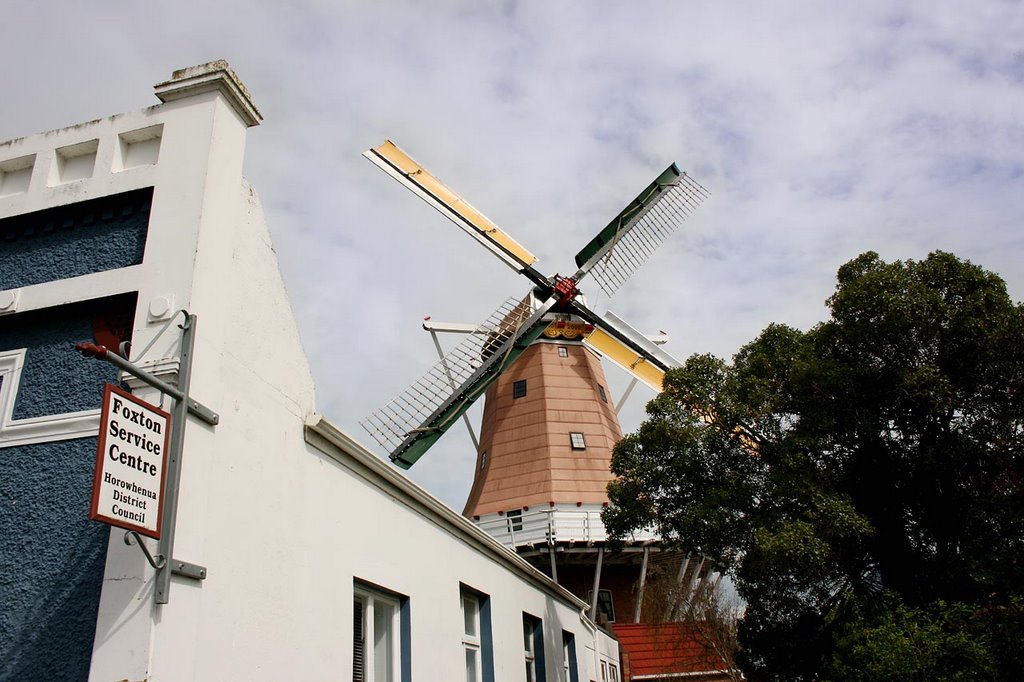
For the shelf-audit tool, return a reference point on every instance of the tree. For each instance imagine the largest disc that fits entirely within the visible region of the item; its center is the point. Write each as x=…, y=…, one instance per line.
x=694, y=609
x=866, y=476
x=715, y=614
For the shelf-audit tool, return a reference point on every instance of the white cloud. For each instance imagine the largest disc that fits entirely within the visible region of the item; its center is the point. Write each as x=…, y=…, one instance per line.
x=821, y=131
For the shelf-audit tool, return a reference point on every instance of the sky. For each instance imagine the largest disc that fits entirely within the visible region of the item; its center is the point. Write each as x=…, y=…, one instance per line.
x=820, y=129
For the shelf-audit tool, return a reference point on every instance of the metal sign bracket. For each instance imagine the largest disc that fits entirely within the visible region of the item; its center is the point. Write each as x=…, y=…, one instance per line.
x=183, y=406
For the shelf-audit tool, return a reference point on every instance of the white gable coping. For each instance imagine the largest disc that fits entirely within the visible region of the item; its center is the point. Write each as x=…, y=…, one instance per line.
x=209, y=77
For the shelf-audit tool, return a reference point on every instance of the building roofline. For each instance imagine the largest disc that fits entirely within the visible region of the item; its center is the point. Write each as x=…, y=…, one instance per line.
x=215, y=76
x=332, y=441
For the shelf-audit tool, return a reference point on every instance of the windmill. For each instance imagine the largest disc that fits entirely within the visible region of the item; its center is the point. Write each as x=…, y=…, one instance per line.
x=551, y=335
x=413, y=421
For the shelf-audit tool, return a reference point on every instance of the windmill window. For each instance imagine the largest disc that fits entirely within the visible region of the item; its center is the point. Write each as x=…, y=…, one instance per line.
x=604, y=396
x=515, y=519
x=483, y=460
x=519, y=388
x=563, y=352
x=577, y=441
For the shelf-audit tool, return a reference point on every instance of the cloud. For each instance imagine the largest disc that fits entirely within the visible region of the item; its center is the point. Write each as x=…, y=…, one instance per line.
x=820, y=131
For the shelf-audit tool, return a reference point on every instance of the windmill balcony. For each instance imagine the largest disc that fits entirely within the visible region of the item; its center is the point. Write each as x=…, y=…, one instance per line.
x=558, y=525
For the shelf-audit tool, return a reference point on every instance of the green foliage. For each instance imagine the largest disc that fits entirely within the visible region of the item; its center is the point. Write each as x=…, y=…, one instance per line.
x=862, y=481
x=941, y=642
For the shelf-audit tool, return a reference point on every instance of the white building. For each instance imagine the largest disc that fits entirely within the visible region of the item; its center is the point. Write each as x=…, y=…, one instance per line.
x=312, y=549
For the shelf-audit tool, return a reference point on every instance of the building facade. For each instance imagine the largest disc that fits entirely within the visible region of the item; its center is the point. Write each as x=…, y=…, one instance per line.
x=284, y=563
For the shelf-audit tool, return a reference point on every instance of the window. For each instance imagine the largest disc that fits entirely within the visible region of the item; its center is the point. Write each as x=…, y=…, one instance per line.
x=533, y=648
x=377, y=653
x=604, y=396
x=605, y=606
x=476, y=636
x=530, y=649
x=483, y=460
x=515, y=519
x=613, y=673
x=570, y=672
x=471, y=636
x=519, y=388
x=577, y=441
x=604, y=671
x=30, y=355
x=11, y=362
x=563, y=352
x=36, y=428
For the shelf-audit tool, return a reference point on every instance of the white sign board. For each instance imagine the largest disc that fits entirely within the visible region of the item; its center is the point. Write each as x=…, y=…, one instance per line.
x=131, y=456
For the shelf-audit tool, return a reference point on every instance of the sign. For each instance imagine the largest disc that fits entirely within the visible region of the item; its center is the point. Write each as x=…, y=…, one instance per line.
x=127, y=490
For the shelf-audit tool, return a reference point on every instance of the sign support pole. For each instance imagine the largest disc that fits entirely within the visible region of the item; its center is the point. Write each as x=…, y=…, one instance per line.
x=179, y=415
x=163, y=564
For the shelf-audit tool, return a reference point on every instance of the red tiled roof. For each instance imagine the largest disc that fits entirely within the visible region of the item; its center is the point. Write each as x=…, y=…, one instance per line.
x=665, y=648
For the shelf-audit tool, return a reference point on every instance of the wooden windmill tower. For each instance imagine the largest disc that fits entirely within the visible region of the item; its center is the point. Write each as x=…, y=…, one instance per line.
x=549, y=425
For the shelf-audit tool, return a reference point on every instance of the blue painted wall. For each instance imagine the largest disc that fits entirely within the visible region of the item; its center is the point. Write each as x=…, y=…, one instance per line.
x=51, y=555
x=68, y=241
x=51, y=561
x=55, y=378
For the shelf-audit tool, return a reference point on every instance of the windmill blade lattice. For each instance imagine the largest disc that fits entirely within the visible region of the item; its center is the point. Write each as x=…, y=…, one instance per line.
x=629, y=240
x=392, y=424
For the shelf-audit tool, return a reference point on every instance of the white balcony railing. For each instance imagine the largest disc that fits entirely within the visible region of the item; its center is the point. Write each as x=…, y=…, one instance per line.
x=543, y=527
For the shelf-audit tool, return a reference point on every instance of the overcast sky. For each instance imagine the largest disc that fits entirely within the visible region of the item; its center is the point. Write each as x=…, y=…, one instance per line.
x=822, y=130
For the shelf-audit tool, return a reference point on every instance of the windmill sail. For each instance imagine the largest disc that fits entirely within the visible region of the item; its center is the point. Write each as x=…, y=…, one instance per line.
x=630, y=350
x=399, y=165
x=614, y=339
x=409, y=424
x=633, y=235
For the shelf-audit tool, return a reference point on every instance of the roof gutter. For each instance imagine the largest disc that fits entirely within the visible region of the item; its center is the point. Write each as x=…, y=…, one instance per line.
x=332, y=441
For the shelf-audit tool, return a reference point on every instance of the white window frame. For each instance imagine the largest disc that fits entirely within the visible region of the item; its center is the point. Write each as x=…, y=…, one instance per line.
x=44, y=429
x=570, y=662
x=11, y=364
x=579, y=443
x=613, y=673
x=530, y=625
x=471, y=640
x=371, y=600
